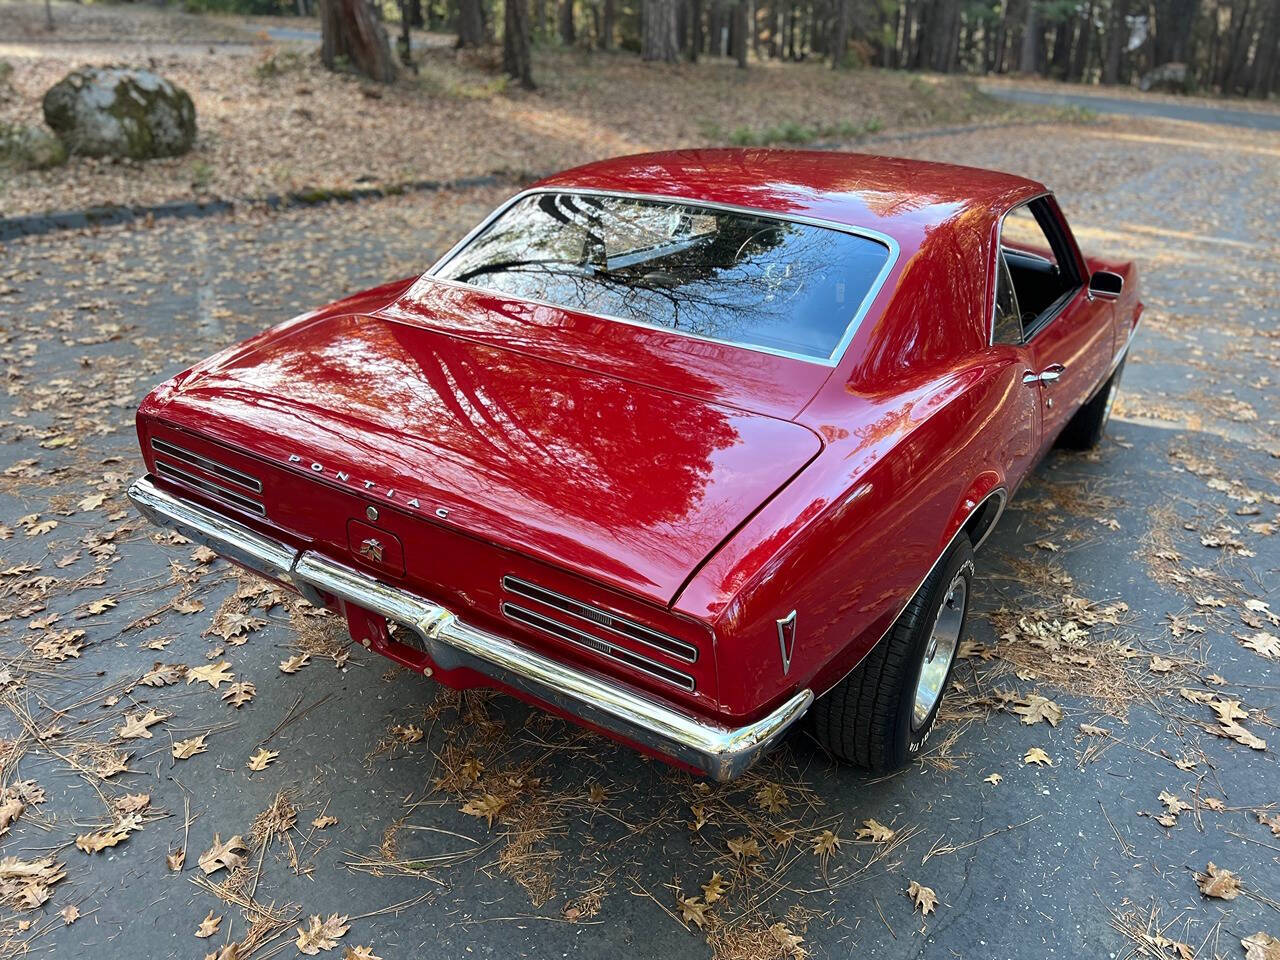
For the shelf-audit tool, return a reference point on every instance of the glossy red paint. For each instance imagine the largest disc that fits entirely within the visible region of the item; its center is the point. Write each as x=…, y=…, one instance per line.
x=703, y=490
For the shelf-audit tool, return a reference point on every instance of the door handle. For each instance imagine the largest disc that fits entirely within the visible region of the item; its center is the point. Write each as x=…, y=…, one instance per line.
x=1048, y=375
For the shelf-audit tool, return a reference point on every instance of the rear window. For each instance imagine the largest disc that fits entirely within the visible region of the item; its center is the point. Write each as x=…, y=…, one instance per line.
x=741, y=278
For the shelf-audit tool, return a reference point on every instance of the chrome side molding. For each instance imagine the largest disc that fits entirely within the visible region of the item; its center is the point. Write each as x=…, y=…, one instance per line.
x=718, y=751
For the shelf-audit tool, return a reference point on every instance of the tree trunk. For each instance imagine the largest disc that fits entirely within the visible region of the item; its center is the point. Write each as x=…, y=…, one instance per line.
x=659, y=38
x=695, y=30
x=840, y=37
x=1117, y=40
x=471, y=29
x=1030, y=39
x=516, y=59
x=568, y=29
x=1264, y=59
x=349, y=29
x=606, y=24
x=740, y=34
x=48, y=15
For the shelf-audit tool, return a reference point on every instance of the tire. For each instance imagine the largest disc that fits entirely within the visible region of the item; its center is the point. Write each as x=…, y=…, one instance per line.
x=1085, y=430
x=869, y=719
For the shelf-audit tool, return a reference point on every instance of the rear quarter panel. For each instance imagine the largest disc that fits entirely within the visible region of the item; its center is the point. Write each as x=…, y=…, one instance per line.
x=850, y=540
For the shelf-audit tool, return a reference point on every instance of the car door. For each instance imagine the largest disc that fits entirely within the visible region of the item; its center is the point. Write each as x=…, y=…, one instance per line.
x=1067, y=333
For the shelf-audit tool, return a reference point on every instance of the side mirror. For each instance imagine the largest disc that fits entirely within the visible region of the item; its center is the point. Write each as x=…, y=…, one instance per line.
x=1105, y=284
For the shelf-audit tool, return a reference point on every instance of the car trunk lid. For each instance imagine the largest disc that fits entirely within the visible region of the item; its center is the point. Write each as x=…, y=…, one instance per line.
x=629, y=484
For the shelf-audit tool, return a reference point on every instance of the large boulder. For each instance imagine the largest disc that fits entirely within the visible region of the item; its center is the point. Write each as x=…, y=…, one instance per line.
x=30, y=148
x=121, y=113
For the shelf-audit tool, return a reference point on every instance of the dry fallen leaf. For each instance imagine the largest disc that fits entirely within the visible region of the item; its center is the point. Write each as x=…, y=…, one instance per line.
x=360, y=953
x=238, y=694
x=993, y=779
x=772, y=798
x=692, y=910
x=137, y=726
x=744, y=847
x=213, y=674
x=101, y=840
x=70, y=914
x=1219, y=883
x=1036, y=708
x=186, y=749
x=1261, y=946
x=923, y=897
x=321, y=934
x=323, y=821
x=176, y=859
x=132, y=803
x=487, y=806
x=208, y=926
x=876, y=831
x=262, y=758
x=1037, y=756
x=295, y=663
x=222, y=855
x=713, y=889
x=826, y=844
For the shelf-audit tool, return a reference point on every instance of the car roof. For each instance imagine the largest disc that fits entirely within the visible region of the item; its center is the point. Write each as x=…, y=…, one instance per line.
x=902, y=198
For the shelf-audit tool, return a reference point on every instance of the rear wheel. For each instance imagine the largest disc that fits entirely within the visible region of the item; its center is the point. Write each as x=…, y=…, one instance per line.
x=880, y=715
x=1085, y=430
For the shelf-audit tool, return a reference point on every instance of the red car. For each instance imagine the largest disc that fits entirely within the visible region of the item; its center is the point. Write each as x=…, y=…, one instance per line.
x=683, y=447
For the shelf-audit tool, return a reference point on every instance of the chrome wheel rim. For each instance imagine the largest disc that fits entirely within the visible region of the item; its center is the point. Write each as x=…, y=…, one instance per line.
x=1111, y=399
x=939, y=651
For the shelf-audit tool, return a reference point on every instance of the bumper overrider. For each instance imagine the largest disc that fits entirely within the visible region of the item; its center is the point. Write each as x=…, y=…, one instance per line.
x=720, y=752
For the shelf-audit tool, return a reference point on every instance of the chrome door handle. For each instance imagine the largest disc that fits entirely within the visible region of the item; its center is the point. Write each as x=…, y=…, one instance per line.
x=1048, y=375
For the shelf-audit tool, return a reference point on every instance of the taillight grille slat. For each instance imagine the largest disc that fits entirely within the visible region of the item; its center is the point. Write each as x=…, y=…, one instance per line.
x=201, y=462
x=578, y=638
x=603, y=619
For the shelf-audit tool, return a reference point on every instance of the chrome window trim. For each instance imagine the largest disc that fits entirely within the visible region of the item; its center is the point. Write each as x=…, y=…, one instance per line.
x=169, y=449
x=533, y=620
x=208, y=487
x=679, y=649
x=833, y=360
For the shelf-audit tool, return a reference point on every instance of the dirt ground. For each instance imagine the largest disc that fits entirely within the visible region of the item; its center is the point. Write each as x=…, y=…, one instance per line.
x=190, y=759
x=271, y=120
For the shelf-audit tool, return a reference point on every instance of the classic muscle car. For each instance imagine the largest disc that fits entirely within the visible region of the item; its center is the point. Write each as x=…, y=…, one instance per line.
x=685, y=447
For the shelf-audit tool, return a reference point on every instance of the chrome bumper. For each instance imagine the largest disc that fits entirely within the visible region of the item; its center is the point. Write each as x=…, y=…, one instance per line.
x=720, y=752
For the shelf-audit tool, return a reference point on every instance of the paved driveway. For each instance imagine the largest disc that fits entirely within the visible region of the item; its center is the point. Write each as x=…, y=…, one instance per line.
x=1115, y=581
x=1138, y=107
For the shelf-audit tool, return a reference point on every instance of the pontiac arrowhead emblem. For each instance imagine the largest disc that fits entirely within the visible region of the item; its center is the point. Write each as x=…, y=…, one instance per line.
x=787, y=640
x=372, y=549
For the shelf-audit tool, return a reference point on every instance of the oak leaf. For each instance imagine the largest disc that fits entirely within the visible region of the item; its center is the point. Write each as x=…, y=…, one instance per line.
x=993, y=779
x=745, y=848
x=692, y=910
x=323, y=821
x=70, y=914
x=132, y=803
x=1175, y=805
x=1219, y=883
x=262, y=758
x=101, y=840
x=923, y=897
x=360, y=953
x=772, y=798
x=161, y=675
x=876, y=831
x=713, y=889
x=488, y=806
x=136, y=727
x=1038, y=757
x=295, y=663
x=176, y=859
x=1264, y=644
x=220, y=855
x=321, y=934
x=826, y=844
x=213, y=674
x=208, y=926
x=1036, y=708
x=238, y=694
x=10, y=809
x=1261, y=946
x=186, y=749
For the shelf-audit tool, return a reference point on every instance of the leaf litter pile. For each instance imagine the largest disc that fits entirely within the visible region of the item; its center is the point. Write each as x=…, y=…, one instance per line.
x=165, y=713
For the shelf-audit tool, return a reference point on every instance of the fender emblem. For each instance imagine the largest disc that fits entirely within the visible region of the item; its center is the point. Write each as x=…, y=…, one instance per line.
x=787, y=640
x=372, y=549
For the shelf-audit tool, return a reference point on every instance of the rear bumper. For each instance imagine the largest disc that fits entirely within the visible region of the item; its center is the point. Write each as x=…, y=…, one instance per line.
x=720, y=752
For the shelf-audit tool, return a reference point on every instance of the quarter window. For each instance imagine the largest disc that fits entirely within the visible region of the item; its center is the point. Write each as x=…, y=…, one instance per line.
x=1037, y=265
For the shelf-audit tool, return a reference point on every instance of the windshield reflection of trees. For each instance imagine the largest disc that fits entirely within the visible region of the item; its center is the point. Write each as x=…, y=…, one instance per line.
x=726, y=275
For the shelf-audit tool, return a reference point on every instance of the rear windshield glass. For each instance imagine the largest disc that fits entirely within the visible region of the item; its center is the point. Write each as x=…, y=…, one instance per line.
x=741, y=278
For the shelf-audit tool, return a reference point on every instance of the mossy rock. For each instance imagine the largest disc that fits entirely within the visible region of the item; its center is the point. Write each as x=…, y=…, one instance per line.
x=30, y=148
x=121, y=113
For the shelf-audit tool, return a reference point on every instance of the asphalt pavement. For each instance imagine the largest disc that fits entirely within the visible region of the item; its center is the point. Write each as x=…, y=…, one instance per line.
x=1138, y=106
x=1115, y=580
